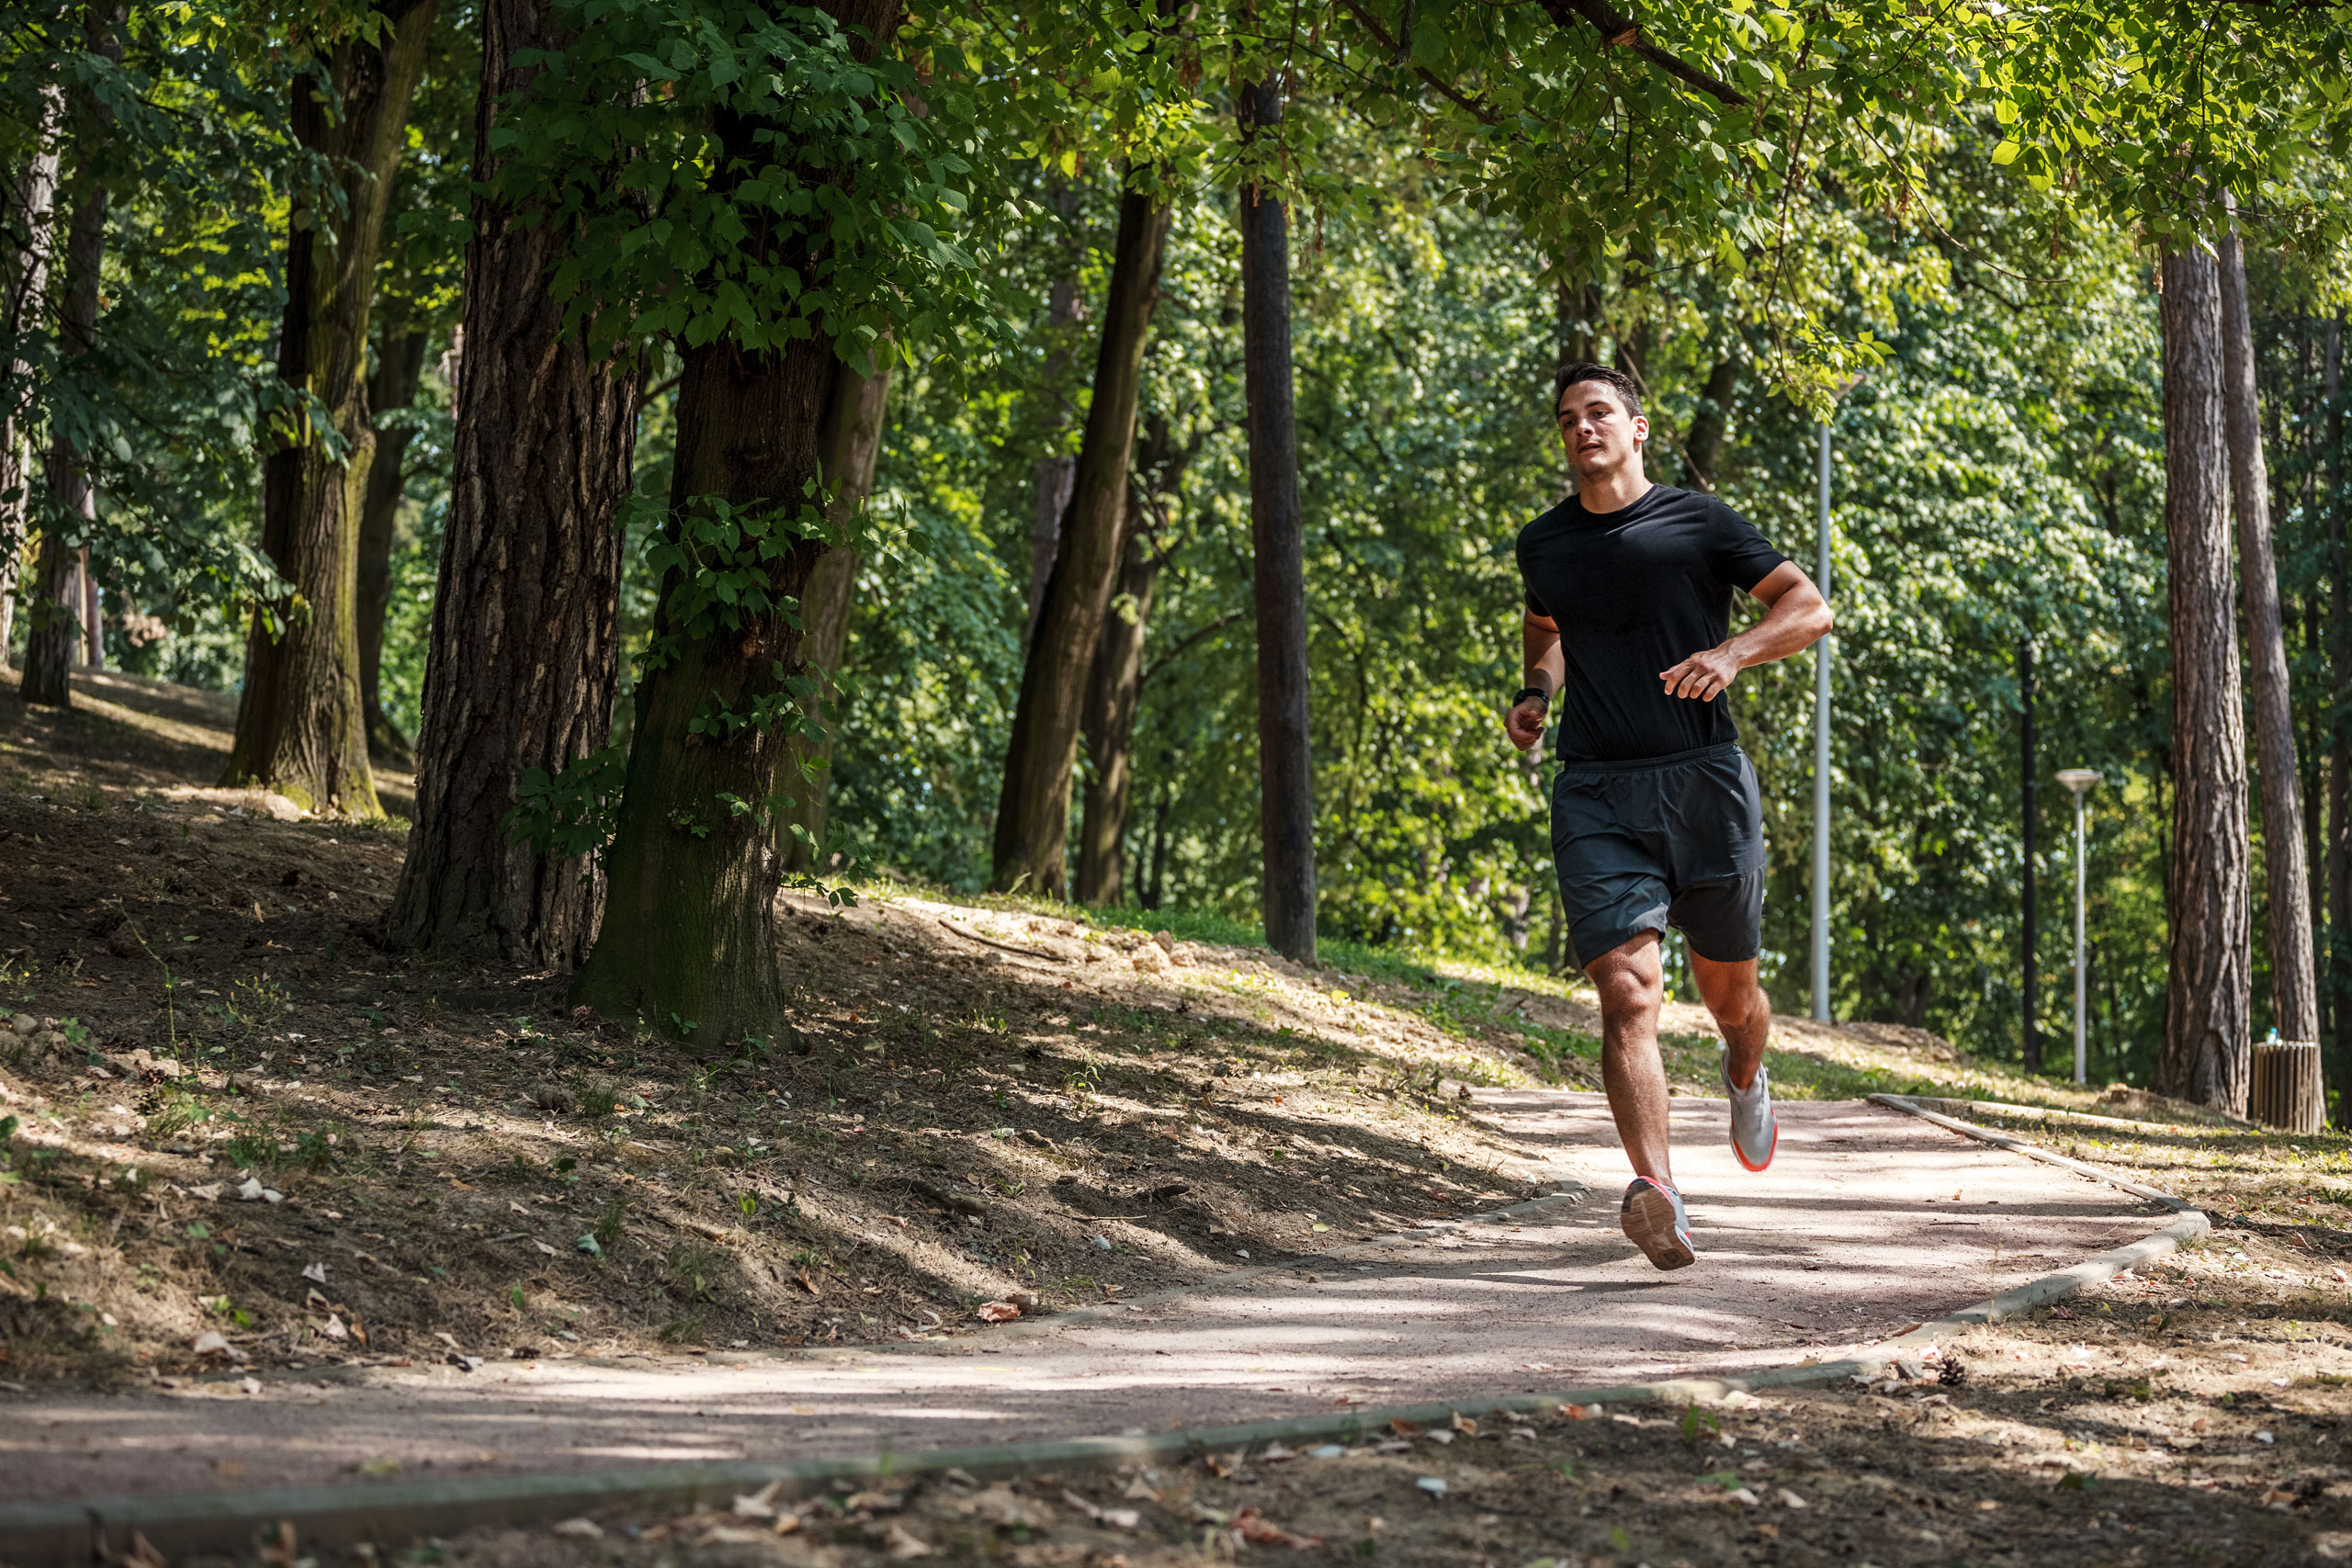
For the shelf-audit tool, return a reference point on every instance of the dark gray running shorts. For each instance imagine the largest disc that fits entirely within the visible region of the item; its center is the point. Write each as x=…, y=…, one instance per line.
x=1666, y=841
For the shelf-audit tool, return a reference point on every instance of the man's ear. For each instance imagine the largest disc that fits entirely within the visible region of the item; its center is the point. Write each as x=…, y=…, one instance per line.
x=1641, y=429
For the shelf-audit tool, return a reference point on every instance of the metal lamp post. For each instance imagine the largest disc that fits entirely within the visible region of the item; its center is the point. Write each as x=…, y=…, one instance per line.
x=1821, y=655
x=2078, y=780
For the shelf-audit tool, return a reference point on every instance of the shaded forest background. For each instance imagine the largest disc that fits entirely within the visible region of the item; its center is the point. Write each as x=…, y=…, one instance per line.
x=1999, y=485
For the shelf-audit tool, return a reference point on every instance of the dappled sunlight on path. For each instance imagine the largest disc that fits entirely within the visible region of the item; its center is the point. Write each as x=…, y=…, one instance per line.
x=1868, y=1222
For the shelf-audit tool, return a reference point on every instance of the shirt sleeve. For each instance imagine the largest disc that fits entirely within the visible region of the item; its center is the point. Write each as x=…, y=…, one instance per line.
x=1534, y=604
x=1736, y=552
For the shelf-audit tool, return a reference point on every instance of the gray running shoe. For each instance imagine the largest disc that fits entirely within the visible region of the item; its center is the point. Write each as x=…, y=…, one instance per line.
x=1755, y=1130
x=1654, y=1221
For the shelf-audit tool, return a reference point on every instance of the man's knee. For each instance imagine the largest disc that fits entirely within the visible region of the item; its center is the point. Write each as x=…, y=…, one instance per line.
x=1732, y=991
x=1628, y=981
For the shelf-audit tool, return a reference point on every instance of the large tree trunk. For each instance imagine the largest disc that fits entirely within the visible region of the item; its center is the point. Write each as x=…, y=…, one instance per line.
x=1277, y=531
x=1112, y=690
x=399, y=364
x=520, y=672
x=59, y=602
x=2208, y=999
x=25, y=254
x=688, y=940
x=1033, y=810
x=849, y=451
x=302, y=726
x=2293, y=970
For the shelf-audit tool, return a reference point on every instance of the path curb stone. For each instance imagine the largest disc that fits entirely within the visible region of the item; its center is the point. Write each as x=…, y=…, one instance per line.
x=99, y=1529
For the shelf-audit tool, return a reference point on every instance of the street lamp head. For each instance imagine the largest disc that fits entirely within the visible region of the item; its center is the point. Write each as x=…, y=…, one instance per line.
x=2077, y=779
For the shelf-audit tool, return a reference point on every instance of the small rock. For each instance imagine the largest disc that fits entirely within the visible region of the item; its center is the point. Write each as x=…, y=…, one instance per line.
x=1433, y=1484
x=578, y=1529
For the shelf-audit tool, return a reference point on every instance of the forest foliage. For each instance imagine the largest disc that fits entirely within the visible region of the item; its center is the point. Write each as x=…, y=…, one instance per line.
x=1934, y=228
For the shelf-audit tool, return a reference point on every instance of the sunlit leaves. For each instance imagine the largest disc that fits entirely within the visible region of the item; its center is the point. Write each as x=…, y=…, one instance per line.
x=726, y=169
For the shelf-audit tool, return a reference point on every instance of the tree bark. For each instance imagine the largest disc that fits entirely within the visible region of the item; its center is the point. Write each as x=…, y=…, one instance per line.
x=1112, y=690
x=849, y=452
x=30, y=244
x=2339, y=723
x=2208, y=1000
x=2293, y=968
x=1702, y=453
x=54, y=636
x=399, y=364
x=1056, y=477
x=688, y=942
x=1033, y=809
x=520, y=670
x=1277, y=528
x=302, y=729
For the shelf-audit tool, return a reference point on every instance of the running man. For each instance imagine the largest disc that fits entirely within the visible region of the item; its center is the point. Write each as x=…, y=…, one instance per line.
x=1656, y=817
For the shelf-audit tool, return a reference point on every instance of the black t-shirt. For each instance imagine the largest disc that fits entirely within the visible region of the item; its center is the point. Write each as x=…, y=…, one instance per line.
x=1635, y=593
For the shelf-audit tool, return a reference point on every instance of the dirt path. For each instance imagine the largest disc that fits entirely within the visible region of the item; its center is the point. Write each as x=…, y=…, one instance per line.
x=1853, y=1234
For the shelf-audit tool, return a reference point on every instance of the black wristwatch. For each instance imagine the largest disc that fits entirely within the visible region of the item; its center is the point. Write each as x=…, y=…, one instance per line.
x=1538, y=693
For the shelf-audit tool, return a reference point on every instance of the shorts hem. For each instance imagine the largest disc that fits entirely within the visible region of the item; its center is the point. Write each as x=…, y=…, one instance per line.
x=1611, y=940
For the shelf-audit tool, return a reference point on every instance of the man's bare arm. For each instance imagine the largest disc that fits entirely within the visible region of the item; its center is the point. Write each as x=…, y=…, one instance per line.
x=1796, y=617
x=1546, y=668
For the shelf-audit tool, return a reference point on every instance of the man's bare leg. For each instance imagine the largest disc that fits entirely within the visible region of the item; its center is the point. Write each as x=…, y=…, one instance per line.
x=1742, y=1011
x=1632, y=983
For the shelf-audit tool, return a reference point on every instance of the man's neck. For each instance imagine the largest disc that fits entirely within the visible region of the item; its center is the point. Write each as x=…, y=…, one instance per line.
x=1614, y=489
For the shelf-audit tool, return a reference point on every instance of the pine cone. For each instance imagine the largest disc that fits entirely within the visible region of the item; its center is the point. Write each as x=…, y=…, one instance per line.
x=1953, y=1373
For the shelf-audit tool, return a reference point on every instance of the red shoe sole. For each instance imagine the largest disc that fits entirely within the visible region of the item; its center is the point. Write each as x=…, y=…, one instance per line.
x=1737, y=1154
x=1648, y=1222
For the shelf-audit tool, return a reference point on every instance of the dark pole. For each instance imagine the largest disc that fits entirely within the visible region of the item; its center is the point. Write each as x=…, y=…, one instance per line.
x=1285, y=777
x=2025, y=696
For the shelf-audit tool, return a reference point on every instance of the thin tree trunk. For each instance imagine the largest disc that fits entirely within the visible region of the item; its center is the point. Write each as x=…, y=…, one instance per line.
x=1702, y=453
x=1576, y=306
x=399, y=364
x=520, y=670
x=54, y=636
x=1111, y=691
x=1056, y=477
x=2293, y=970
x=1033, y=810
x=1277, y=527
x=688, y=940
x=849, y=451
x=30, y=244
x=2208, y=1001
x=301, y=728
x=2339, y=723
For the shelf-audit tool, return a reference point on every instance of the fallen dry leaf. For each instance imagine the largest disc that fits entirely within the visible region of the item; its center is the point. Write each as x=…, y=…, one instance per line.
x=997, y=1312
x=1250, y=1525
x=904, y=1545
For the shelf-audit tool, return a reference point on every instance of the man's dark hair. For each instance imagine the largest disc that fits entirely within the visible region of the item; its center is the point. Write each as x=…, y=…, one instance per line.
x=1628, y=391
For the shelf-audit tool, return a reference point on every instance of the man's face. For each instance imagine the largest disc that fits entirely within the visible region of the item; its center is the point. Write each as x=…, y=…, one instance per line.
x=1596, y=430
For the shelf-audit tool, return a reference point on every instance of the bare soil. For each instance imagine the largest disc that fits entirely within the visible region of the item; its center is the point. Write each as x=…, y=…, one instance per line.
x=988, y=1101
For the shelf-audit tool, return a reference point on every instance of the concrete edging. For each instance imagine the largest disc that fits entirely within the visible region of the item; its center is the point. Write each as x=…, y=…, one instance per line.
x=92, y=1531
